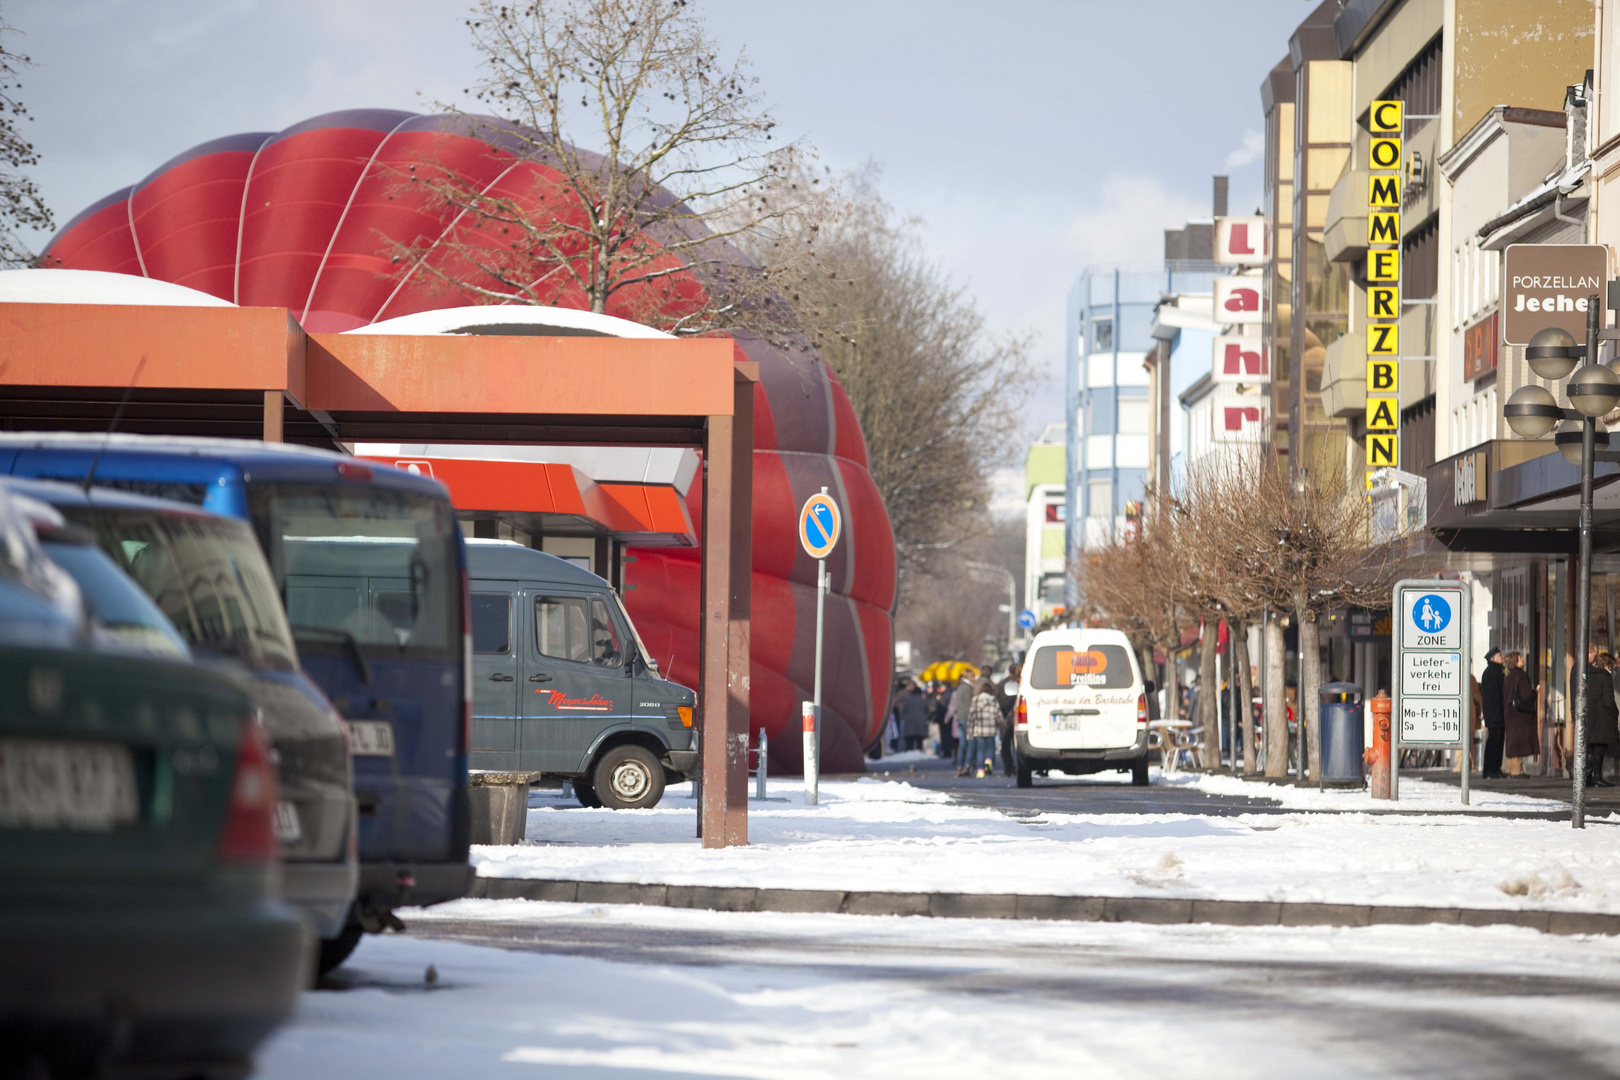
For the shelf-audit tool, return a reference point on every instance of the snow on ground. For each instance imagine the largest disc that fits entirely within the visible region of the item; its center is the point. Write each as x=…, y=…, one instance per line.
x=807, y=997
x=1416, y=794
x=871, y=834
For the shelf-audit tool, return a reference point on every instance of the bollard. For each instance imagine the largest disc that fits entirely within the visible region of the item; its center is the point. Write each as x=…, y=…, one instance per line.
x=759, y=774
x=1378, y=756
x=811, y=760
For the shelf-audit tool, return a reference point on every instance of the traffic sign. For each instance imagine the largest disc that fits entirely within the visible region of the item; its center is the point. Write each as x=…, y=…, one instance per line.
x=1026, y=619
x=819, y=525
x=1431, y=650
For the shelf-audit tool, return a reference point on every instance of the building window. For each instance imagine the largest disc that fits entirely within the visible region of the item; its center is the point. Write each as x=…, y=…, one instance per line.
x=1420, y=261
x=1100, y=498
x=1418, y=84
x=1102, y=335
x=1133, y=416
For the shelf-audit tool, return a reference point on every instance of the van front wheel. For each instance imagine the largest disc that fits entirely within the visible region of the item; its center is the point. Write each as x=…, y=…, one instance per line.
x=628, y=778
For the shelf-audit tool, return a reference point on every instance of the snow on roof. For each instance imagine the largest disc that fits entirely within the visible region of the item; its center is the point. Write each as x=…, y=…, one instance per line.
x=511, y=319
x=98, y=287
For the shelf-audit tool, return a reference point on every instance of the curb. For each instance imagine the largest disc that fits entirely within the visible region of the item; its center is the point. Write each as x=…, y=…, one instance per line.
x=1142, y=909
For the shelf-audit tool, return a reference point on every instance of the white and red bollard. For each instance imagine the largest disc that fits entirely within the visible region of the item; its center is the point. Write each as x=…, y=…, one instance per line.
x=812, y=756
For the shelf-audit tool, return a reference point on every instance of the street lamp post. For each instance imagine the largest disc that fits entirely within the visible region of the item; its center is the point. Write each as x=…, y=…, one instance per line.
x=1012, y=596
x=1532, y=412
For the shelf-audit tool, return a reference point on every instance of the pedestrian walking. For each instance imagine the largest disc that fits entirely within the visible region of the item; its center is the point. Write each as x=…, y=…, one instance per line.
x=1602, y=716
x=913, y=718
x=983, y=725
x=1008, y=700
x=1492, y=715
x=1521, y=733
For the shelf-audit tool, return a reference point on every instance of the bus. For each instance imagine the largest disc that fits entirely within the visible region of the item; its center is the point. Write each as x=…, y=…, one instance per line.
x=383, y=635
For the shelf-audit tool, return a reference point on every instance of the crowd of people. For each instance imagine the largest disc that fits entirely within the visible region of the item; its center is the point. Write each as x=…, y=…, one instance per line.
x=1507, y=711
x=970, y=723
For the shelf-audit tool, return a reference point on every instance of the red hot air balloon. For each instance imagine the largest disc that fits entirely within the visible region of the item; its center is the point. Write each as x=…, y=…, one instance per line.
x=300, y=219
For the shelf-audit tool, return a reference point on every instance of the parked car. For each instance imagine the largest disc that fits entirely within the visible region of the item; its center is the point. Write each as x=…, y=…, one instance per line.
x=384, y=639
x=563, y=685
x=209, y=578
x=1082, y=706
x=139, y=927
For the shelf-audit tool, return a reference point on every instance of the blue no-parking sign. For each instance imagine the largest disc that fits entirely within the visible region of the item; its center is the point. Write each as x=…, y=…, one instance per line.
x=819, y=525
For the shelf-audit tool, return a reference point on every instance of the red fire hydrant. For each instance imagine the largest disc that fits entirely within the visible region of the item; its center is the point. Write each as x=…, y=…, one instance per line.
x=1378, y=755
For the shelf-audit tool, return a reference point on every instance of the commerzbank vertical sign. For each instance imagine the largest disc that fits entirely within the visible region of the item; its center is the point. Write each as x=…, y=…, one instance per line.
x=1547, y=285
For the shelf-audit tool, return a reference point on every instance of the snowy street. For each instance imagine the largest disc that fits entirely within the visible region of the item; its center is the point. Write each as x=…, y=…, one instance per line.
x=607, y=992
x=873, y=834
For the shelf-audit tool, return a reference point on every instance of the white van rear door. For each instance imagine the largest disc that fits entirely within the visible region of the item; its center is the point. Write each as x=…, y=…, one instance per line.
x=1088, y=694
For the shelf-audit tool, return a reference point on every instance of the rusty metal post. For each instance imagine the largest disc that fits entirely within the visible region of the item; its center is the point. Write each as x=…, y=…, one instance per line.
x=740, y=627
x=275, y=407
x=714, y=631
x=1378, y=757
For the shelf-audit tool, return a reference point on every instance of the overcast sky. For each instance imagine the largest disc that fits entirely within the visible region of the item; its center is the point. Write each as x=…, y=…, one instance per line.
x=1032, y=139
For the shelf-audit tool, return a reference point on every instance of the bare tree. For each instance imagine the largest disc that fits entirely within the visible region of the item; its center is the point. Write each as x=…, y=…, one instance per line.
x=939, y=399
x=655, y=148
x=21, y=205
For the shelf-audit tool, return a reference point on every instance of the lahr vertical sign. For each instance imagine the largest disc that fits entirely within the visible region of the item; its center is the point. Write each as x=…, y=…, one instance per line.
x=1432, y=622
x=1384, y=125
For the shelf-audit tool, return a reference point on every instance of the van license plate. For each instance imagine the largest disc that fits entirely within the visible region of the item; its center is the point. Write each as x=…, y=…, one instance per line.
x=371, y=737
x=47, y=784
x=288, y=830
x=1067, y=722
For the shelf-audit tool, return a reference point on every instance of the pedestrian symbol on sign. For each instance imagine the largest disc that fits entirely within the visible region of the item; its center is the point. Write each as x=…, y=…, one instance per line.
x=1431, y=613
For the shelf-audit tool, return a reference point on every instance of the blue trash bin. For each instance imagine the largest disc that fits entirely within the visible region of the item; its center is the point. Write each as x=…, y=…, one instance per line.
x=1343, y=734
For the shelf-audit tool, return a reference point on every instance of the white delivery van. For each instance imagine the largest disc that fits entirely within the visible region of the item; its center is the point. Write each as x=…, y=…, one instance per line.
x=1082, y=707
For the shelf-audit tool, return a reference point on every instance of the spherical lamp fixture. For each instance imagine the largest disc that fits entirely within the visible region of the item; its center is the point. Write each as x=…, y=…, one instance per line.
x=1552, y=353
x=1594, y=390
x=1532, y=412
x=1568, y=439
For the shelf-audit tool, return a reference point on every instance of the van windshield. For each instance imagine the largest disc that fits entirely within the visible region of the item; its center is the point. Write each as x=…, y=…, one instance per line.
x=1064, y=667
x=364, y=567
x=205, y=573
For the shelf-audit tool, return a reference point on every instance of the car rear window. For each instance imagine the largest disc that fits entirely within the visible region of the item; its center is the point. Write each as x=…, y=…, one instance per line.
x=1059, y=667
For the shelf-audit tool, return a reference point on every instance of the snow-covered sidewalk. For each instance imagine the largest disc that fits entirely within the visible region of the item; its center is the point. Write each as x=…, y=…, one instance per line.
x=880, y=835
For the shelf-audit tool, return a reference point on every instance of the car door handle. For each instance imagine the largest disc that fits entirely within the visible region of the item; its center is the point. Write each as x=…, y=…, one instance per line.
x=542, y=677
x=498, y=677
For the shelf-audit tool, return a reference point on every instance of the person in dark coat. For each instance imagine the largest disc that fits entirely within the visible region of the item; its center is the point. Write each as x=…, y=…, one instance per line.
x=1521, y=737
x=1602, y=719
x=1007, y=698
x=1490, y=693
x=913, y=719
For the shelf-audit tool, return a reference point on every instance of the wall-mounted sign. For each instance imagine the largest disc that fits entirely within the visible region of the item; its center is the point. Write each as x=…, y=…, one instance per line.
x=1547, y=285
x=1479, y=348
x=1240, y=359
x=1240, y=416
x=1383, y=377
x=1241, y=241
x=1470, y=479
x=1239, y=299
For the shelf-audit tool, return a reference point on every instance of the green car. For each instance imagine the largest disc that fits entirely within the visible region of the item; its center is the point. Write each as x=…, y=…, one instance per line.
x=139, y=926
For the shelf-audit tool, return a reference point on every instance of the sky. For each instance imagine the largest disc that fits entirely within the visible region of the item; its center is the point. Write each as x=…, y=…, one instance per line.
x=1029, y=139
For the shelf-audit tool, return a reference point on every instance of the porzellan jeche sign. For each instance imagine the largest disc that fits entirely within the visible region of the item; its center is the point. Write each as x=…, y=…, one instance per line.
x=1547, y=285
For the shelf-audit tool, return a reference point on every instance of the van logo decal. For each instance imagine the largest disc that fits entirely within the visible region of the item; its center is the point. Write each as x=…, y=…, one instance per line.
x=563, y=703
x=1082, y=668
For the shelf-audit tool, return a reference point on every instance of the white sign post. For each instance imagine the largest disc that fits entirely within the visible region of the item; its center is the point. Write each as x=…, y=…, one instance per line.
x=819, y=526
x=1432, y=697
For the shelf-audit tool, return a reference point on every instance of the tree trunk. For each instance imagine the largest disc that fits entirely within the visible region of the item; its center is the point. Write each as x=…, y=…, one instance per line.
x=1276, y=699
x=1209, y=693
x=1245, y=695
x=1310, y=681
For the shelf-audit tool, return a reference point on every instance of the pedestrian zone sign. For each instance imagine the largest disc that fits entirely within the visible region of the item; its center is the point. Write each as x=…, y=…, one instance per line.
x=1431, y=659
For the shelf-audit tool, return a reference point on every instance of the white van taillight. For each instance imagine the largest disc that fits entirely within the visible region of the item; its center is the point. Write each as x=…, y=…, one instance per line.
x=1141, y=709
x=1022, y=714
